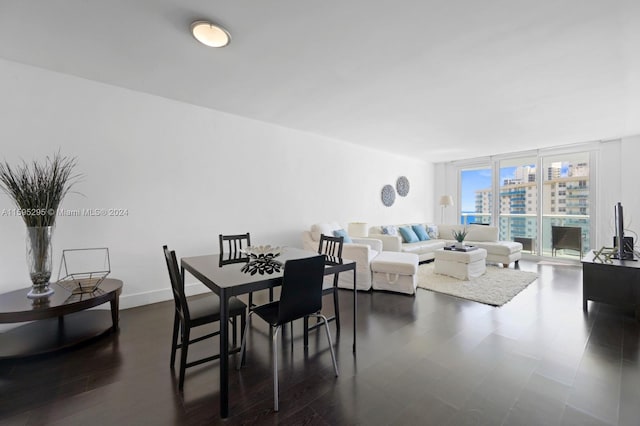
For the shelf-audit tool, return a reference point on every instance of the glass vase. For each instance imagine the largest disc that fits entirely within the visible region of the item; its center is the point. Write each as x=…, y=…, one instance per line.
x=39, y=260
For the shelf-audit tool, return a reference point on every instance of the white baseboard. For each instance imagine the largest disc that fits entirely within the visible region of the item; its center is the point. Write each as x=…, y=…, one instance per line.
x=155, y=296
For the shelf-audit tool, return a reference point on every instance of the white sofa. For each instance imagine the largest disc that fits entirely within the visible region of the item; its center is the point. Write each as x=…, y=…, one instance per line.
x=486, y=237
x=362, y=251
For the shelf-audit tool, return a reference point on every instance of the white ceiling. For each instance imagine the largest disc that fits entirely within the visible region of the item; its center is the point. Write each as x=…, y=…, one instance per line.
x=439, y=80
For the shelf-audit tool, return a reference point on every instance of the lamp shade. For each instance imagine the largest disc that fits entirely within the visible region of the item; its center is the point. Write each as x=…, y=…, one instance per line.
x=358, y=229
x=446, y=200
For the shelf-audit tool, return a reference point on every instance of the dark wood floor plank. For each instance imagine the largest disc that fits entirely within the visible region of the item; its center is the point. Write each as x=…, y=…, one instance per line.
x=429, y=359
x=542, y=401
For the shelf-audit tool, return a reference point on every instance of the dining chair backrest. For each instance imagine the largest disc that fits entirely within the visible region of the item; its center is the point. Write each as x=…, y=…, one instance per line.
x=234, y=243
x=230, y=246
x=331, y=246
x=176, y=284
x=301, y=292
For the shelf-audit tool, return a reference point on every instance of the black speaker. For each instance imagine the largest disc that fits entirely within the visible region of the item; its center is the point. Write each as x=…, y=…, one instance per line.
x=628, y=243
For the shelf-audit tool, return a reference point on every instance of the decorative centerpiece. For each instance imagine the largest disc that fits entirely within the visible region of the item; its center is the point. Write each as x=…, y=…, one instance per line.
x=262, y=260
x=459, y=236
x=37, y=189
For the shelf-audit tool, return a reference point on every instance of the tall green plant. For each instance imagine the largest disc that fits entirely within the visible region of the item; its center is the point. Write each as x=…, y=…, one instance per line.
x=38, y=188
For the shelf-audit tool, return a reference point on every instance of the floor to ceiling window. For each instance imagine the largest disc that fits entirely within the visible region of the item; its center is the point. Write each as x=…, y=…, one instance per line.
x=518, y=205
x=539, y=199
x=565, y=205
x=476, y=199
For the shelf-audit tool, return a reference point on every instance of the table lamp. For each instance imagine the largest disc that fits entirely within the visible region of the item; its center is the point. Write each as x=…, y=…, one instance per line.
x=358, y=229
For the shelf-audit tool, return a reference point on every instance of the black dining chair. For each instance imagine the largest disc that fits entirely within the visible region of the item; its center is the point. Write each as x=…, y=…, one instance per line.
x=234, y=243
x=194, y=313
x=332, y=248
x=301, y=296
x=230, y=249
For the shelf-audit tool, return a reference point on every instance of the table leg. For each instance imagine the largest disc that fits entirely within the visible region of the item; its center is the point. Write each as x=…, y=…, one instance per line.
x=355, y=309
x=224, y=354
x=336, y=307
x=115, y=313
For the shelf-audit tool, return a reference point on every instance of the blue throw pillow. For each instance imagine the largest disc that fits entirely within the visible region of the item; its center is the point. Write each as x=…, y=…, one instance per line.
x=421, y=232
x=408, y=235
x=342, y=233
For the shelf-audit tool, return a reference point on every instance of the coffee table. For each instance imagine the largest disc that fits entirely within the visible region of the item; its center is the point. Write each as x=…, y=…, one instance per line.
x=62, y=322
x=462, y=265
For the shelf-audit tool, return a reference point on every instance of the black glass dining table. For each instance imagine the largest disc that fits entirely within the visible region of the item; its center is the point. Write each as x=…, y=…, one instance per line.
x=230, y=277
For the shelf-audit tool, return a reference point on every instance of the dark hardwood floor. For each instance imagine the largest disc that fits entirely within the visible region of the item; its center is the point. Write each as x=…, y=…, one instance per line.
x=429, y=360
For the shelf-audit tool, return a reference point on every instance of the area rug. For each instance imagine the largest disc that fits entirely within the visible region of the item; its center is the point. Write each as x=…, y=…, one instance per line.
x=496, y=287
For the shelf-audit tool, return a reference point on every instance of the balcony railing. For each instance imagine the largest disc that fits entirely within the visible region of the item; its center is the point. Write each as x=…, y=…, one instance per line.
x=469, y=218
x=524, y=226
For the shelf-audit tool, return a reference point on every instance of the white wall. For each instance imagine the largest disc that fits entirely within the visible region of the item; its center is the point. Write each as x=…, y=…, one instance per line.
x=630, y=182
x=609, y=191
x=185, y=174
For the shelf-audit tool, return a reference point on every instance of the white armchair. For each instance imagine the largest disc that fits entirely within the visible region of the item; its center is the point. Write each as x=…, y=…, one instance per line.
x=362, y=251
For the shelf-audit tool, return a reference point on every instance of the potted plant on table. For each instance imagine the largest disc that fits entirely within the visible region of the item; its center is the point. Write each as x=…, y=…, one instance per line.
x=459, y=236
x=37, y=189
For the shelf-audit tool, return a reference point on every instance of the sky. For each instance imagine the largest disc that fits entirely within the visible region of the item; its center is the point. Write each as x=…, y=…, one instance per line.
x=473, y=180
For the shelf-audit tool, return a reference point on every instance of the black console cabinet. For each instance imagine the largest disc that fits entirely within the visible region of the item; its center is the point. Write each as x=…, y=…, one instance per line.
x=616, y=283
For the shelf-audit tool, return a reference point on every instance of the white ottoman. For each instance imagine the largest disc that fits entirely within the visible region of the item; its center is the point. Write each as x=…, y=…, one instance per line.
x=460, y=264
x=395, y=271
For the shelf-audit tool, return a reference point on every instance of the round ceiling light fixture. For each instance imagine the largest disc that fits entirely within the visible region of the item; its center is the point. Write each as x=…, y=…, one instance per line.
x=209, y=34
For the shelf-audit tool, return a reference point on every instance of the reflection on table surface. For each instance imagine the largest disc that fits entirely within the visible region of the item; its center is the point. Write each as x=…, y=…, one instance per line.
x=226, y=270
x=17, y=301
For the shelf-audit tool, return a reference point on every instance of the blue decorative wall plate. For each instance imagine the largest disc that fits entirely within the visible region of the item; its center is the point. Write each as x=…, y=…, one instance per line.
x=402, y=186
x=388, y=195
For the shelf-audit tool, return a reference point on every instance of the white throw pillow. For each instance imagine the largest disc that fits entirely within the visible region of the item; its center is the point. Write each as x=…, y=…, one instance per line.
x=389, y=230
